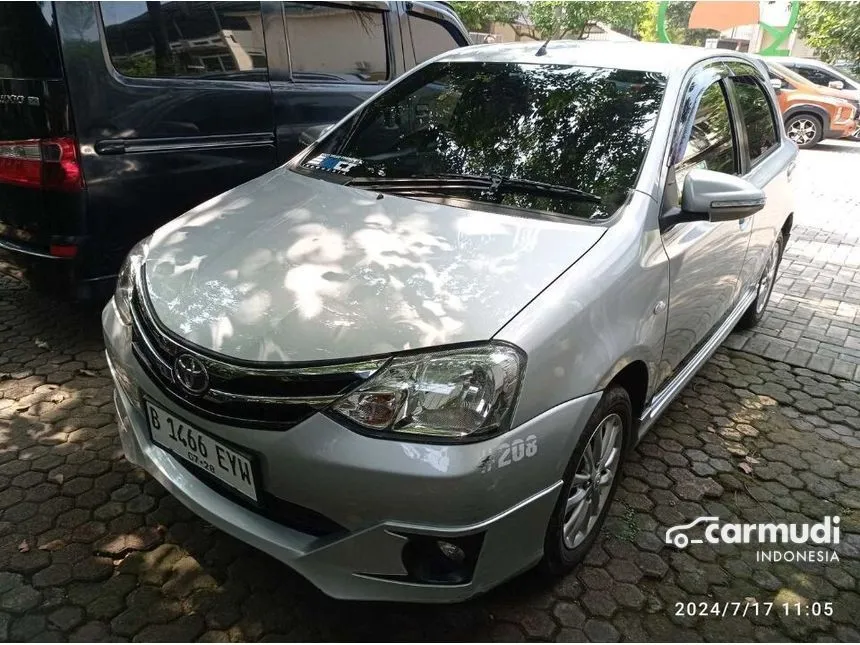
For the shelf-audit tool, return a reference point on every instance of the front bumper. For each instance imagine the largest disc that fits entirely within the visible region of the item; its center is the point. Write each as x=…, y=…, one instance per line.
x=379, y=491
x=842, y=129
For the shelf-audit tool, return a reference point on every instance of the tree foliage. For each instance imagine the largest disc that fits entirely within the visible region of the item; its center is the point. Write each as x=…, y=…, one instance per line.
x=677, y=19
x=557, y=18
x=832, y=29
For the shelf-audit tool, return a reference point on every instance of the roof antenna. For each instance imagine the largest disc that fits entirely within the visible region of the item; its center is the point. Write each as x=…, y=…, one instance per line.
x=542, y=50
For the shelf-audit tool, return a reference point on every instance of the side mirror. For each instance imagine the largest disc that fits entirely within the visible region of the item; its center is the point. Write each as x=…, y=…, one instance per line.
x=836, y=85
x=710, y=196
x=776, y=83
x=719, y=197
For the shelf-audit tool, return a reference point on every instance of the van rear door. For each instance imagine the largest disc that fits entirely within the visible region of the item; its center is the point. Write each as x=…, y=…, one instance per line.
x=172, y=106
x=41, y=188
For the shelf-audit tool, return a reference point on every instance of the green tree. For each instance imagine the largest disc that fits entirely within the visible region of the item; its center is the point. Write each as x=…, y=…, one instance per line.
x=560, y=19
x=479, y=15
x=833, y=29
x=677, y=19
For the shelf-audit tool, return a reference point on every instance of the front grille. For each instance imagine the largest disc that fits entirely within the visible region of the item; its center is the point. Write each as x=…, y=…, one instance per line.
x=252, y=396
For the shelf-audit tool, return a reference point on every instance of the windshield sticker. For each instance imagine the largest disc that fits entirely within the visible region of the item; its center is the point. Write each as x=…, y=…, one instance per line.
x=333, y=163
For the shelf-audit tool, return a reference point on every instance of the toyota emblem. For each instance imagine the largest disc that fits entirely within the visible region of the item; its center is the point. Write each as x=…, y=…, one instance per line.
x=191, y=374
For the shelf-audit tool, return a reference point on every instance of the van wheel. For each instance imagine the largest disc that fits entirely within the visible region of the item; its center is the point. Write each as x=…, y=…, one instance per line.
x=805, y=130
x=755, y=313
x=590, y=481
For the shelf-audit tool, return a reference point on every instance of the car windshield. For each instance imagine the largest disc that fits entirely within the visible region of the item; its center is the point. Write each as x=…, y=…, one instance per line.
x=556, y=138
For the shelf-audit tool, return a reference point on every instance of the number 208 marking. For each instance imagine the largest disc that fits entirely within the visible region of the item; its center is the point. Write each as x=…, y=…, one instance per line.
x=516, y=450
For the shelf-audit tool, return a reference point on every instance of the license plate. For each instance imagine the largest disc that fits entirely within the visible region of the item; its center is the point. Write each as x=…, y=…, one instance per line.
x=202, y=450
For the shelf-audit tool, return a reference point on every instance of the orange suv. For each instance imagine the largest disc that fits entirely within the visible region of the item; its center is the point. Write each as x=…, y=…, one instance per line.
x=810, y=112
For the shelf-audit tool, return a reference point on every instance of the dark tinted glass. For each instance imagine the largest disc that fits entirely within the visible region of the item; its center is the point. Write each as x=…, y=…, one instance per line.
x=758, y=117
x=429, y=38
x=220, y=40
x=332, y=43
x=28, y=42
x=710, y=145
x=580, y=127
x=815, y=75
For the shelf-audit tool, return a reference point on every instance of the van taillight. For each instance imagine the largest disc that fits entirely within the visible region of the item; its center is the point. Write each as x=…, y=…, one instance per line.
x=41, y=163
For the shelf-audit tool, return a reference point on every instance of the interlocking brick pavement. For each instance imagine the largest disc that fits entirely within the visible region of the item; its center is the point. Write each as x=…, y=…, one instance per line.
x=91, y=548
x=814, y=315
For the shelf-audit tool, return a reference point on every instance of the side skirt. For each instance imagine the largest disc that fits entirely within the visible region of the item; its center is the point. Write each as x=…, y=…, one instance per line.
x=664, y=397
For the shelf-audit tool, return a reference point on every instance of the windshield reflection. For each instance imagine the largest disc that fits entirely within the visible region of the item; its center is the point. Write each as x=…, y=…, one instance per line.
x=581, y=127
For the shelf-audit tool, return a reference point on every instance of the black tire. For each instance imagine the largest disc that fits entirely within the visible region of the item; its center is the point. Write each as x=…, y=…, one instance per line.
x=808, y=128
x=558, y=558
x=753, y=315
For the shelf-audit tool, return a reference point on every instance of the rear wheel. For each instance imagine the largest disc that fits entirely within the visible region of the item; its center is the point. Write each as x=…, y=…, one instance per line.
x=755, y=313
x=805, y=130
x=590, y=482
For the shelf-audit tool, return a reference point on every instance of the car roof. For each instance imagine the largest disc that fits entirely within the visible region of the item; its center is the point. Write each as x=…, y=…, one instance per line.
x=648, y=57
x=798, y=59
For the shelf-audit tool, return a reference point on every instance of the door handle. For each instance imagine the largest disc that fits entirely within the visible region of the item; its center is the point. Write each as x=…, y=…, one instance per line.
x=109, y=147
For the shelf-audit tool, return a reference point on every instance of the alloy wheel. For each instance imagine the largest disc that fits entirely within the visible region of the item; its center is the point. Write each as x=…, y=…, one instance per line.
x=592, y=481
x=768, y=277
x=802, y=131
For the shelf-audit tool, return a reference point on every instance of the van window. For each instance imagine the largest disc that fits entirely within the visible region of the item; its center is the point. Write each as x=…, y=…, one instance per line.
x=179, y=39
x=28, y=42
x=429, y=38
x=336, y=43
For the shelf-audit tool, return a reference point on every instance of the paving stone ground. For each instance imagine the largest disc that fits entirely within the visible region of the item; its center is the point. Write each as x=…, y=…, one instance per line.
x=814, y=315
x=91, y=548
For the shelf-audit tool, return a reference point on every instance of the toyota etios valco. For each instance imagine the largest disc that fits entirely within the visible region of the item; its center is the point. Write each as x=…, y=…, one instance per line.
x=410, y=362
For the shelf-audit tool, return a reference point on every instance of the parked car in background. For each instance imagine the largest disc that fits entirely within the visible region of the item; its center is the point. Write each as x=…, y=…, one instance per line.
x=840, y=82
x=410, y=363
x=810, y=112
x=116, y=117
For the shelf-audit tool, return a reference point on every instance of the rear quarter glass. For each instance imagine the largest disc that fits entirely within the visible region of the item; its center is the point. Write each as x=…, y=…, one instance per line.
x=28, y=41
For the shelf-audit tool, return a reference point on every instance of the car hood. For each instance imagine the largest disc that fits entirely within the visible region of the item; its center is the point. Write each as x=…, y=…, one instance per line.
x=293, y=268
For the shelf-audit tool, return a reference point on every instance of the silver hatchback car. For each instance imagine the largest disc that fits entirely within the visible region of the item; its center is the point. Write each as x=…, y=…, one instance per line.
x=410, y=362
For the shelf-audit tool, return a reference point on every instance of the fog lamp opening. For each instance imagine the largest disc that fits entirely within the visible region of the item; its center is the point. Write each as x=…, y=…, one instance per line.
x=442, y=560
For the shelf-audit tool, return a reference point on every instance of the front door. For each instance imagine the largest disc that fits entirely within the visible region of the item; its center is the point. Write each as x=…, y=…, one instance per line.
x=705, y=259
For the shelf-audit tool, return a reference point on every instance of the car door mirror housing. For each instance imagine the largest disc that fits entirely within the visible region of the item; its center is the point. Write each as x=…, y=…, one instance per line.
x=836, y=85
x=719, y=197
x=776, y=83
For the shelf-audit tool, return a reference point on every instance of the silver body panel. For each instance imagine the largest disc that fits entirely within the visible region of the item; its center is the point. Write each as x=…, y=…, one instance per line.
x=583, y=301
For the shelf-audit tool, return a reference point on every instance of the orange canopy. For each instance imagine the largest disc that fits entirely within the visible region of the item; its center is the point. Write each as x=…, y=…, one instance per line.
x=721, y=15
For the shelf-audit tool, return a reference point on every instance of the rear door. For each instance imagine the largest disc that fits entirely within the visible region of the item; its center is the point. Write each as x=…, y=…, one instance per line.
x=34, y=124
x=339, y=54
x=172, y=105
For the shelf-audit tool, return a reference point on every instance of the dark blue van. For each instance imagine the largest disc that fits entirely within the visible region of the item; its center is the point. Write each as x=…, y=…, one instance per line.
x=116, y=117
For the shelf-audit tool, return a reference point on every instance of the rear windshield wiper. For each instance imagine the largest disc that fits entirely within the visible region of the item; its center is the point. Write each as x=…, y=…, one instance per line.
x=492, y=185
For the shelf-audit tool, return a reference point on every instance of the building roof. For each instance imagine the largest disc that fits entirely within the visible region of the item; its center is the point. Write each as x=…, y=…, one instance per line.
x=649, y=57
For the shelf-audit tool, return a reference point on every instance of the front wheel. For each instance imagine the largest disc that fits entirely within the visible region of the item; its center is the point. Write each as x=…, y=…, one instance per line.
x=805, y=130
x=755, y=313
x=590, y=481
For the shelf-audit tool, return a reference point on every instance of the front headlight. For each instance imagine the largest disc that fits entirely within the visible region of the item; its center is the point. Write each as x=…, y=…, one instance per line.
x=126, y=280
x=456, y=394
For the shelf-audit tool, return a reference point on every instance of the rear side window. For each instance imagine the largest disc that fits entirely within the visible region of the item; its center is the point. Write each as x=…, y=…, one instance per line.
x=710, y=145
x=219, y=40
x=336, y=43
x=758, y=116
x=28, y=41
x=429, y=37
x=814, y=75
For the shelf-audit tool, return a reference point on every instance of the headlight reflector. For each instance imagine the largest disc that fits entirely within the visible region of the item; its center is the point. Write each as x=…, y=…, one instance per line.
x=455, y=394
x=126, y=280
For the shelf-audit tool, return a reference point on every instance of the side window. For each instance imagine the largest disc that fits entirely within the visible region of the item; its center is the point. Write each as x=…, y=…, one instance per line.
x=815, y=75
x=336, y=43
x=757, y=115
x=429, y=38
x=710, y=145
x=182, y=39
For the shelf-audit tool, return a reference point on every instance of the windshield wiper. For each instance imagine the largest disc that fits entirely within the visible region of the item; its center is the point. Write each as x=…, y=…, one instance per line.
x=492, y=185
